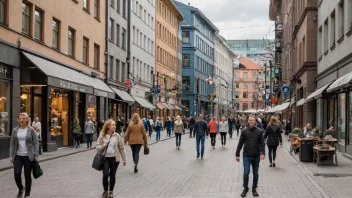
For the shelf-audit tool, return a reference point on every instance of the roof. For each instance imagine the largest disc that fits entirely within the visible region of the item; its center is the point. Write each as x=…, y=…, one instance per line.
x=248, y=63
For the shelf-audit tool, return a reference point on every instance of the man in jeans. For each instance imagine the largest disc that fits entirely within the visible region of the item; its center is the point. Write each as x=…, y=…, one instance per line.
x=254, y=151
x=200, y=129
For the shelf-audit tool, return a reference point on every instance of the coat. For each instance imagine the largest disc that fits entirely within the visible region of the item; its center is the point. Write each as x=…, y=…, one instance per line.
x=32, y=143
x=178, y=128
x=136, y=134
x=213, y=126
x=273, y=135
x=223, y=126
x=119, y=148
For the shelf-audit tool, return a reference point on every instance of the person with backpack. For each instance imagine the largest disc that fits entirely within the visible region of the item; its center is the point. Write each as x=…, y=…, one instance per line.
x=273, y=138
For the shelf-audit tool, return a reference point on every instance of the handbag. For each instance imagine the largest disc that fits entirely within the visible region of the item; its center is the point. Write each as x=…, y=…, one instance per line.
x=99, y=158
x=146, y=150
x=37, y=171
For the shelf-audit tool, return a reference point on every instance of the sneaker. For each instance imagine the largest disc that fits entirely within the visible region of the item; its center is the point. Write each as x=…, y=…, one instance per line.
x=20, y=193
x=274, y=164
x=135, y=169
x=244, y=193
x=270, y=165
x=201, y=157
x=104, y=195
x=111, y=195
x=198, y=156
x=254, y=193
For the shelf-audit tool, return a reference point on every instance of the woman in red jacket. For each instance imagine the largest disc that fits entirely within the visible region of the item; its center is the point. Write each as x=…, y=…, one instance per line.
x=213, y=130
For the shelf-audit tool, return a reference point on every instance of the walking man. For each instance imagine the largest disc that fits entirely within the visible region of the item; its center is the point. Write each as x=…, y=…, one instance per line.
x=200, y=129
x=89, y=131
x=231, y=122
x=254, y=151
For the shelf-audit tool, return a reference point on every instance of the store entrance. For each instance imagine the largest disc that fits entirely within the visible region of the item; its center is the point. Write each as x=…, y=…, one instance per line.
x=59, y=116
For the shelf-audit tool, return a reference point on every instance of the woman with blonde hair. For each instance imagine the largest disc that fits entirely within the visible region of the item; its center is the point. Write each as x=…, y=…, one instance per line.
x=111, y=143
x=178, y=130
x=136, y=137
x=272, y=137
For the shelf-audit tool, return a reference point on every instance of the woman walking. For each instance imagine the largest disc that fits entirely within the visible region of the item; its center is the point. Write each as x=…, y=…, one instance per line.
x=112, y=142
x=178, y=130
x=158, y=126
x=223, y=129
x=76, y=131
x=272, y=137
x=136, y=137
x=213, y=130
x=24, y=149
x=168, y=125
x=192, y=121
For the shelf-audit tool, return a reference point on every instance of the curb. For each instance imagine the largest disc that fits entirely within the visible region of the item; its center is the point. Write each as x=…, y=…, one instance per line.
x=73, y=153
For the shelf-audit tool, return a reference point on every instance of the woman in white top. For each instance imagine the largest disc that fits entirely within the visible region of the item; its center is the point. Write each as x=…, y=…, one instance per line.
x=223, y=129
x=110, y=142
x=24, y=149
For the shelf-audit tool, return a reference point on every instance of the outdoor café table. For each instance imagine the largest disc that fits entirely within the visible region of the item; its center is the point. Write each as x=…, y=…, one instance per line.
x=328, y=153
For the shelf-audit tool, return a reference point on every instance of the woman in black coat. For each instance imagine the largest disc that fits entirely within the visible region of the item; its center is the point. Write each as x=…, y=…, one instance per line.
x=273, y=138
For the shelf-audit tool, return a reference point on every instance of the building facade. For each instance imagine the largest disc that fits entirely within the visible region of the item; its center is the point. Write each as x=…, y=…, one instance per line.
x=333, y=97
x=53, y=66
x=223, y=77
x=249, y=86
x=168, y=18
x=142, y=58
x=198, y=34
x=298, y=58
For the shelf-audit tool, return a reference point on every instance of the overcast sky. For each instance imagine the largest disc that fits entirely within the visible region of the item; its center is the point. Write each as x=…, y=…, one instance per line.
x=230, y=15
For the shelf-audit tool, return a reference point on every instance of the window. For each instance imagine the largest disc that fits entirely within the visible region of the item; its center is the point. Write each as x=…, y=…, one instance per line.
x=186, y=83
x=237, y=94
x=86, y=5
x=71, y=42
x=245, y=75
x=112, y=3
x=254, y=85
x=96, y=9
x=185, y=60
x=118, y=7
x=123, y=39
x=123, y=72
x=124, y=8
x=254, y=75
x=245, y=107
x=117, y=34
x=350, y=17
x=152, y=23
x=320, y=40
x=332, y=29
x=85, y=50
x=38, y=25
x=245, y=85
x=3, y=11
x=185, y=37
x=117, y=71
x=96, y=56
x=237, y=85
x=112, y=31
x=245, y=95
x=111, y=63
x=56, y=33
x=326, y=35
x=342, y=19
x=140, y=11
x=26, y=13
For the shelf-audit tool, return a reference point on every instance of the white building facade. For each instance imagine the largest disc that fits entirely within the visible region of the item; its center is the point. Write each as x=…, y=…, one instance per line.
x=223, y=76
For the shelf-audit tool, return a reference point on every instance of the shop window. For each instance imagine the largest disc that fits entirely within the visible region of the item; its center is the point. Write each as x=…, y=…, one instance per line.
x=25, y=99
x=341, y=120
x=5, y=108
x=91, y=107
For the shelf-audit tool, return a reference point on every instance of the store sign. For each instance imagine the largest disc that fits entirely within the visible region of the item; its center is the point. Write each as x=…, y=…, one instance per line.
x=69, y=85
x=100, y=93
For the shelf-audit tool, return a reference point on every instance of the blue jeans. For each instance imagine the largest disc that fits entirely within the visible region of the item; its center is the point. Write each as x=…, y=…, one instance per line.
x=247, y=161
x=89, y=139
x=178, y=139
x=200, y=139
x=158, y=129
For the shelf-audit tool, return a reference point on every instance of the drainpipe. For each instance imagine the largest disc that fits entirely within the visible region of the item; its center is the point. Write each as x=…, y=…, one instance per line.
x=106, y=54
x=292, y=56
x=128, y=51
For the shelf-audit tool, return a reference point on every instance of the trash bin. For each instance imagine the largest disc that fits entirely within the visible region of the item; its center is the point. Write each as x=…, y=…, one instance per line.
x=306, y=150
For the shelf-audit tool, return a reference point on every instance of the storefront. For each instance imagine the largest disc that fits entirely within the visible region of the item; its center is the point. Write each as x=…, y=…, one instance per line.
x=119, y=106
x=57, y=95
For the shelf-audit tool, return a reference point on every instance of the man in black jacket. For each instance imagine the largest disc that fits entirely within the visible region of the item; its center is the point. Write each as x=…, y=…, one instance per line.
x=200, y=129
x=231, y=122
x=254, y=151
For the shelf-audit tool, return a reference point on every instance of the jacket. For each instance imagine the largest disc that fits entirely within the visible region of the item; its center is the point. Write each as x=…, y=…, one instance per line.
x=213, y=126
x=243, y=122
x=88, y=127
x=200, y=127
x=136, y=134
x=178, y=128
x=231, y=122
x=32, y=143
x=253, y=141
x=237, y=123
x=259, y=124
x=168, y=124
x=119, y=149
x=191, y=123
x=76, y=129
x=273, y=135
x=223, y=126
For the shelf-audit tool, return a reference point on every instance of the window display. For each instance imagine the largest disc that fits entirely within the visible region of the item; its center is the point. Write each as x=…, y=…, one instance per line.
x=341, y=120
x=92, y=107
x=25, y=99
x=4, y=108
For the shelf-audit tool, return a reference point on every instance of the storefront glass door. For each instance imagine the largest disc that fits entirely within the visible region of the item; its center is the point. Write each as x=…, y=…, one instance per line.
x=341, y=120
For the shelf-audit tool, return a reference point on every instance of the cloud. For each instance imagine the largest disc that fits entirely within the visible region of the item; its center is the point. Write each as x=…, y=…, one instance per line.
x=230, y=15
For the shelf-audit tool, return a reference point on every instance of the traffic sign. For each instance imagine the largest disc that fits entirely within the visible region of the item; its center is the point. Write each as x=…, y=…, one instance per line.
x=285, y=89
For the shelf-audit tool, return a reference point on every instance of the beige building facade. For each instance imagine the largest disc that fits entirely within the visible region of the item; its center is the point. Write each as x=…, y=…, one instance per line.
x=168, y=18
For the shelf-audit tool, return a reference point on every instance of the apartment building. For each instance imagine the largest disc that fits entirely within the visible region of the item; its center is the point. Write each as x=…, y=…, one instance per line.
x=168, y=18
x=142, y=60
x=52, y=63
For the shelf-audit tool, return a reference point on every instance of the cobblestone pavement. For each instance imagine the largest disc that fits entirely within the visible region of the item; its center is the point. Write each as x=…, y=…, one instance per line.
x=167, y=172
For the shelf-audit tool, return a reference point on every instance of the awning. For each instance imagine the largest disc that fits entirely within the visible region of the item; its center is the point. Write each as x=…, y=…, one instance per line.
x=64, y=77
x=300, y=102
x=160, y=105
x=178, y=108
x=182, y=106
x=123, y=95
x=166, y=106
x=171, y=106
x=317, y=93
x=342, y=82
x=283, y=106
x=144, y=103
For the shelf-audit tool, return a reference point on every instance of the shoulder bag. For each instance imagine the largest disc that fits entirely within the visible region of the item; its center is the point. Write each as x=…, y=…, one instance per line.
x=37, y=171
x=98, y=161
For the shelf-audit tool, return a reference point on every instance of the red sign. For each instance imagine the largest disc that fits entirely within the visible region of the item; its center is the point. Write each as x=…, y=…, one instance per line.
x=128, y=84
